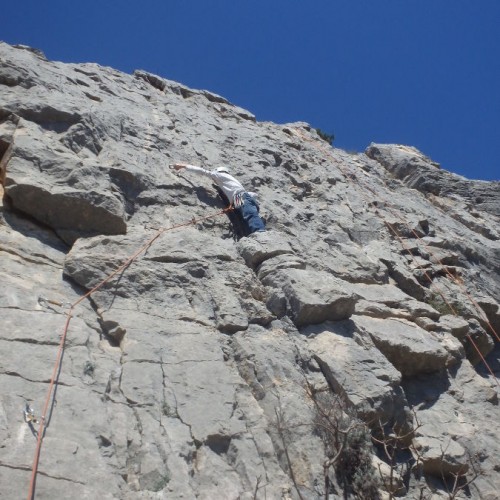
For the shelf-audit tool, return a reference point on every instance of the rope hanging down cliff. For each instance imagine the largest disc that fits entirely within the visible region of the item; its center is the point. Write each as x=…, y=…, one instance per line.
x=69, y=314
x=397, y=215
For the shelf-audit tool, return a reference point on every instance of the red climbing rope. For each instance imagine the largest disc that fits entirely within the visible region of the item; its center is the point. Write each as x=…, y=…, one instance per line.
x=397, y=215
x=460, y=284
x=69, y=315
x=452, y=309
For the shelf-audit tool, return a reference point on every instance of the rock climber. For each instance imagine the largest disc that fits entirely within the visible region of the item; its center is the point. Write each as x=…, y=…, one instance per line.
x=244, y=203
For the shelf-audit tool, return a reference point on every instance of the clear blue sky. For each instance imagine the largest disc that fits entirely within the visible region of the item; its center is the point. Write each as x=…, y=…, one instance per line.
x=420, y=72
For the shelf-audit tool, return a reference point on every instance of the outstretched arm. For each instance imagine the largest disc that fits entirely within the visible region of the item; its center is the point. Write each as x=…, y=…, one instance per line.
x=179, y=166
x=192, y=168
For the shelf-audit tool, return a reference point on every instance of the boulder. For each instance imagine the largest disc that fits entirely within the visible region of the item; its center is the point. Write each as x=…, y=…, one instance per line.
x=262, y=246
x=390, y=297
x=62, y=194
x=364, y=377
x=408, y=347
x=313, y=296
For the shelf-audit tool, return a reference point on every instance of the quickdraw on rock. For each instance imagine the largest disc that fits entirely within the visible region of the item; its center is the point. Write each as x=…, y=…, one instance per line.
x=45, y=302
x=29, y=415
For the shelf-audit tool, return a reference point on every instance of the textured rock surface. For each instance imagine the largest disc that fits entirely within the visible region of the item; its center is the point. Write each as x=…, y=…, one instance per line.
x=194, y=372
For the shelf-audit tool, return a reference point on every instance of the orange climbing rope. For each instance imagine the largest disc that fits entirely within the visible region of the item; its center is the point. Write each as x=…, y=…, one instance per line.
x=69, y=315
x=460, y=284
x=397, y=215
x=452, y=309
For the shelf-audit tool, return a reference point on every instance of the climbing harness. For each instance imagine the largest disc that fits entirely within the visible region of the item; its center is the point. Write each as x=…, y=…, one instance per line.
x=239, y=199
x=42, y=420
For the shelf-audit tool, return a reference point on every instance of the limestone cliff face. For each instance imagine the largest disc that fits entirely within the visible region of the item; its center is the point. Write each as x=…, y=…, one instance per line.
x=222, y=367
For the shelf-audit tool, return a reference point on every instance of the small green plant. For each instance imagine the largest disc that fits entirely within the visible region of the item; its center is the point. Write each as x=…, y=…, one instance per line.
x=436, y=301
x=354, y=468
x=168, y=411
x=161, y=482
x=88, y=368
x=348, y=446
x=329, y=138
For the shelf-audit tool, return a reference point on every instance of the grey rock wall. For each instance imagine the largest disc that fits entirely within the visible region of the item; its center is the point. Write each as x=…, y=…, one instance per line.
x=206, y=368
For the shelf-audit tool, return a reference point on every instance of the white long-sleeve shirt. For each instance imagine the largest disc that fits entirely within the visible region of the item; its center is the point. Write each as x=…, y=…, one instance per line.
x=225, y=181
